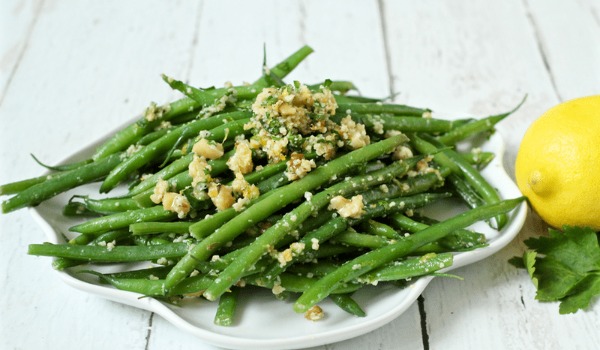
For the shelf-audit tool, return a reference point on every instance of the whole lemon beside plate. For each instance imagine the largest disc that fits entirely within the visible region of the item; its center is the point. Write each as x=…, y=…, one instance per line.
x=558, y=164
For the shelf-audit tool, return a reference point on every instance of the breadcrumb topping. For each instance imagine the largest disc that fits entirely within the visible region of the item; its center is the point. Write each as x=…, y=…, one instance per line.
x=220, y=195
x=177, y=203
x=160, y=189
x=298, y=166
x=208, y=149
x=347, y=208
x=241, y=160
x=154, y=112
x=315, y=313
x=402, y=152
x=199, y=170
x=353, y=133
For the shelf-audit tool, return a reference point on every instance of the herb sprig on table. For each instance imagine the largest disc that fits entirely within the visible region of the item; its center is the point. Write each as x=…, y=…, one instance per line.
x=564, y=267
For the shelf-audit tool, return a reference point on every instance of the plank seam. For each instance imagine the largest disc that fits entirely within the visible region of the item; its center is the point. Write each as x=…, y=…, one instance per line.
x=423, y=316
x=540, y=47
x=595, y=15
x=302, y=24
x=149, y=333
x=195, y=40
x=13, y=72
x=386, y=49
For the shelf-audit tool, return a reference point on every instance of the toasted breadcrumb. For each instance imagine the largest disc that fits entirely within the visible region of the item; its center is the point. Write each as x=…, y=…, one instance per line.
x=347, y=208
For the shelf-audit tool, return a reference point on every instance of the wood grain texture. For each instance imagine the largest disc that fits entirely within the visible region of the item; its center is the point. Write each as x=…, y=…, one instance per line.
x=88, y=67
x=568, y=33
x=481, y=58
x=70, y=71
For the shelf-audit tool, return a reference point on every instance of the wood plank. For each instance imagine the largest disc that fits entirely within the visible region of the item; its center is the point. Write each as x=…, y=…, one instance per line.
x=481, y=58
x=88, y=67
x=568, y=34
x=17, y=22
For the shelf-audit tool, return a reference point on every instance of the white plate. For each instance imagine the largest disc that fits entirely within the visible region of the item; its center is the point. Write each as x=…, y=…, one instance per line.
x=266, y=323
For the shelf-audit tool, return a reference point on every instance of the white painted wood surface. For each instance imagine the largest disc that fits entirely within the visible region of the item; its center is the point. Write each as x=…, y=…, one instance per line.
x=70, y=70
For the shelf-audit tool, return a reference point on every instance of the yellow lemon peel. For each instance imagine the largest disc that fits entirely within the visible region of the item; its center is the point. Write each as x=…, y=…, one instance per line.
x=558, y=164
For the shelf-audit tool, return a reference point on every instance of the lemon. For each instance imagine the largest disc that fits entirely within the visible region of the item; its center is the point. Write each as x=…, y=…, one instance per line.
x=558, y=164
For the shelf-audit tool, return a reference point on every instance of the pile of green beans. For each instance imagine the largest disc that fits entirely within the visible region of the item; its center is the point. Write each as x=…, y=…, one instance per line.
x=287, y=239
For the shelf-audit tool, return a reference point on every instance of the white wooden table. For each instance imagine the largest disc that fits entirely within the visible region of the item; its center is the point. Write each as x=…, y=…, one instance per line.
x=73, y=70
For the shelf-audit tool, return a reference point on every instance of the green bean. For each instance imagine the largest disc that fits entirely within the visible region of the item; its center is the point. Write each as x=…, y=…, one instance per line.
x=103, y=206
x=381, y=108
x=217, y=167
x=479, y=159
x=203, y=228
x=123, y=220
x=203, y=97
x=97, y=253
x=147, y=240
x=273, y=182
x=154, y=287
x=130, y=134
x=379, y=229
x=486, y=124
x=316, y=269
x=226, y=309
x=335, y=85
x=215, y=124
x=158, y=227
x=271, y=170
x=311, y=242
x=297, y=284
x=193, y=286
x=153, y=136
x=410, y=186
x=278, y=198
x=77, y=209
x=145, y=273
x=82, y=239
x=465, y=191
x=294, y=218
x=286, y=66
x=211, y=223
x=316, y=221
x=355, y=239
x=409, y=268
x=459, y=166
x=358, y=266
x=61, y=182
x=133, y=132
x=18, y=186
x=116, y=236
x=179, y=181
x=110, y=236
x=64, y=167
x=406, y=124
x=459, y=240
x=60, y=264
x=190, y=136
x=346, y=303
x=397, y=204
x=356, y=99
x=145, y=228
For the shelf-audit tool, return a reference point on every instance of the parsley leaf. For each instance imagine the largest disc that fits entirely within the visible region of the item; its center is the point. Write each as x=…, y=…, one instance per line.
x=565, y=267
